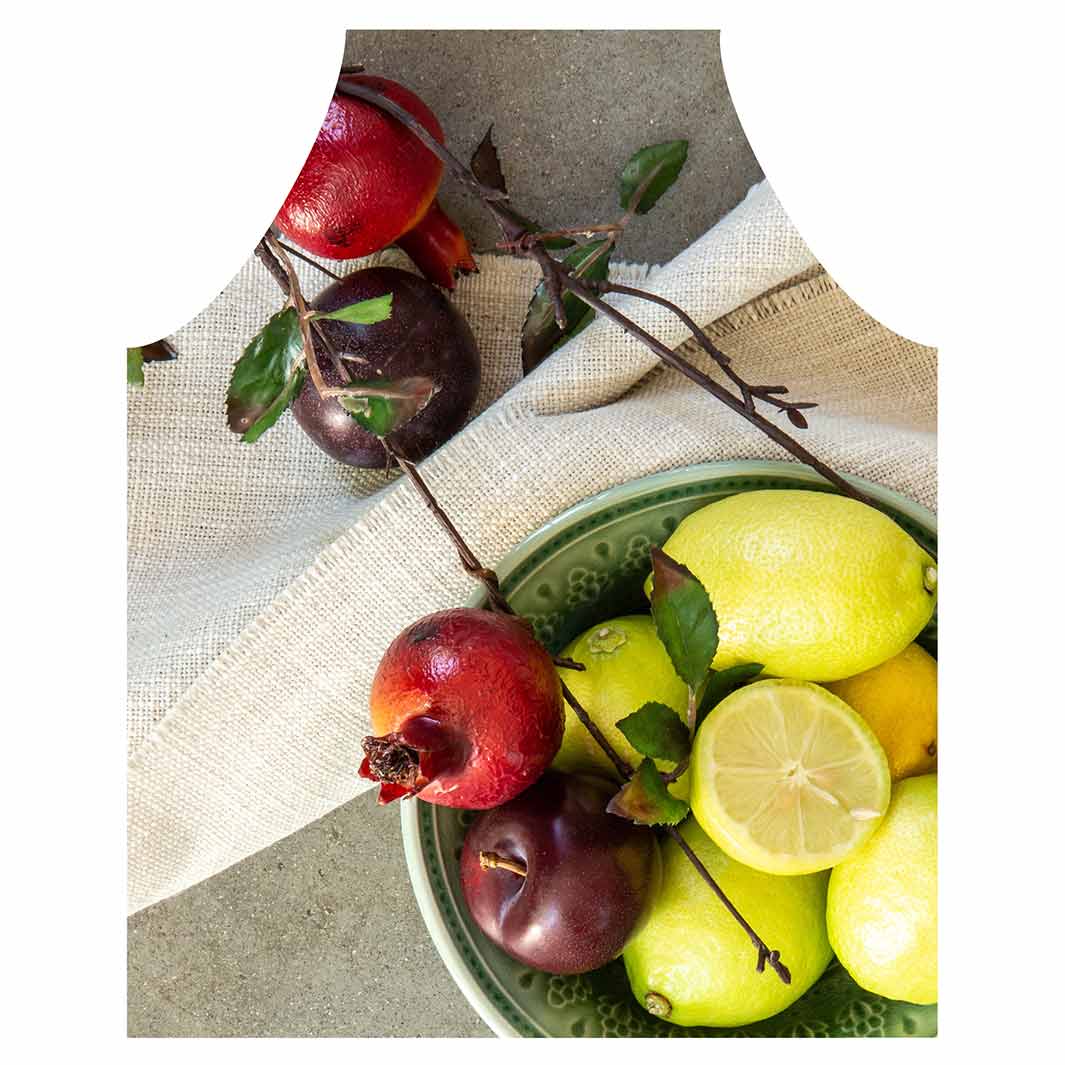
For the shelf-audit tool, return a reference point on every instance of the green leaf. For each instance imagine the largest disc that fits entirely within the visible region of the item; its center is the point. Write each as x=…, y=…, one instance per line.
x=540, y=334
x=665, y=160
x=279, y=405
x=135, y=367
x=365, y=312
x=684, y=618
x=136, y=358
x=724, y=682
x=263, y=381
x=656, y=730
x=645, y=799
x=381, y=406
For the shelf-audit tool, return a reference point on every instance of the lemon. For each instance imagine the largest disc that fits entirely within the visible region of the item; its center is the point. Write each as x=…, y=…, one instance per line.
x=786, y=778
x=812, y=585
x=898, y=701
x=625, y=667
x=693, y=964
x=882, y=911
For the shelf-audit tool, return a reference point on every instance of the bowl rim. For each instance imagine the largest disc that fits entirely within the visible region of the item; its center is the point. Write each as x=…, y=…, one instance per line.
x=416, y=866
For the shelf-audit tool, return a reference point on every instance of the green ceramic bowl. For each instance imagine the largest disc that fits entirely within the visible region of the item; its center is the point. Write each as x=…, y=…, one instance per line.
x=583, y=567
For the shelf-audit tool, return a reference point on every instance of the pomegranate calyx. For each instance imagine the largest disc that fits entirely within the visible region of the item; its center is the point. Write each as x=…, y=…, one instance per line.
x=391, y=761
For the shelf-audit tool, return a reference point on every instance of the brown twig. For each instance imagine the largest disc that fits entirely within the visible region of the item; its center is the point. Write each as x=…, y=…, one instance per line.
x=736, y=403
x=747, y=391
x=529, y=239
x=334, y=355
x=470, y=563
x=620, y=764
x=764, y=953
x=271, y=249
x=556, y=277
x=458, y=169
x=307, y=259
x=269, y=260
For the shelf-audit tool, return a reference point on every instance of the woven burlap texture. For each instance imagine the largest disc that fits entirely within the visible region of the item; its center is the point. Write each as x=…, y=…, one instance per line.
x=266, y=581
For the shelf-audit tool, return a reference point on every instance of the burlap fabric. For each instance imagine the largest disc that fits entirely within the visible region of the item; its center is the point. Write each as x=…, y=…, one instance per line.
x=266, y=581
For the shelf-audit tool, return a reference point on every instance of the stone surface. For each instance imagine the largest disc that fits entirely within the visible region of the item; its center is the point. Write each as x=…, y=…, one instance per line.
x=568, y=109
x=319, y=935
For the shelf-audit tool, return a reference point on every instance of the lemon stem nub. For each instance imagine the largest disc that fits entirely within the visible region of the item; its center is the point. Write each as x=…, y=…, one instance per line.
x=606, y=641
x=657, y=1004
x=931, y=578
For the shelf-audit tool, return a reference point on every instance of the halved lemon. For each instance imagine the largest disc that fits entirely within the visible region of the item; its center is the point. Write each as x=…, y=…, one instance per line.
x=786, y=778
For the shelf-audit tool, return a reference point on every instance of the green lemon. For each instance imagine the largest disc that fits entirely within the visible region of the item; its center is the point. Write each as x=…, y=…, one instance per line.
x=812, y=585
x=882, y=910
x=625, y=667
x=693, y=964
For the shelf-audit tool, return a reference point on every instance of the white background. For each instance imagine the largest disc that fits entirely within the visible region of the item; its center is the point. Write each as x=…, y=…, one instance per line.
x=919, y=156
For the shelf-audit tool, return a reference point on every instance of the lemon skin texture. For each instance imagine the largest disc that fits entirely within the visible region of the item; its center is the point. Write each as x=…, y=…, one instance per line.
x=692, y=954
x=898, y=700
x=882, y=902
x=812, y=585
x=625, y=667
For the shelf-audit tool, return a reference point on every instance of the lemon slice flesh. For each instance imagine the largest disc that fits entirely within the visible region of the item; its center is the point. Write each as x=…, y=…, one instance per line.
x=786, y=778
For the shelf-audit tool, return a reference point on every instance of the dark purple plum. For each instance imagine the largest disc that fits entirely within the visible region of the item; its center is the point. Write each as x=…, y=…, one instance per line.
x=589, y=877
x=425, y=336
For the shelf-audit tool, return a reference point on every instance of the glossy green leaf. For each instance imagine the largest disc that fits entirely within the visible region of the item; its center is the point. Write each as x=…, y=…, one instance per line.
x=684, y=618
x=665, y=160
x=135, y=367
x=724, y=682
x=365, y=312
x=263, y=376
x=540, y=334
x=644, y=798
x=137, y=358
x=279, y=405
x=381, y=406
x=656, y=730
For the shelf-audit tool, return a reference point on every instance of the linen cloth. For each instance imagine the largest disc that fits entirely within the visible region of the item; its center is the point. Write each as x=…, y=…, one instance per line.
x=266, y=581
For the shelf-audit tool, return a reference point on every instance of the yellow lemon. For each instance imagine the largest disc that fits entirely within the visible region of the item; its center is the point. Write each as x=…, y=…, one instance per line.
x=882, y=910
x=786, y=778
x=898, y=701
x=691, y=963
x=625, y=667
x=812, y=585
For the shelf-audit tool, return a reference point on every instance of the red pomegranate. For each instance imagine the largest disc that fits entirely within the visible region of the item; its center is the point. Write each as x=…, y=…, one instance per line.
x=466, y=709
x=369, y=182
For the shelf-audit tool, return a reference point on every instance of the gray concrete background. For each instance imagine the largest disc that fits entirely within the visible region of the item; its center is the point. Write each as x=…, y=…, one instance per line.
x=319, y=935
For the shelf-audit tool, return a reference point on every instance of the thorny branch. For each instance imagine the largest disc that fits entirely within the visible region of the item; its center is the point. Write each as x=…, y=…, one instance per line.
x=769, y=393
x=307, y=259
x=764, y=953
x=470, y=563
x=557, y=278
